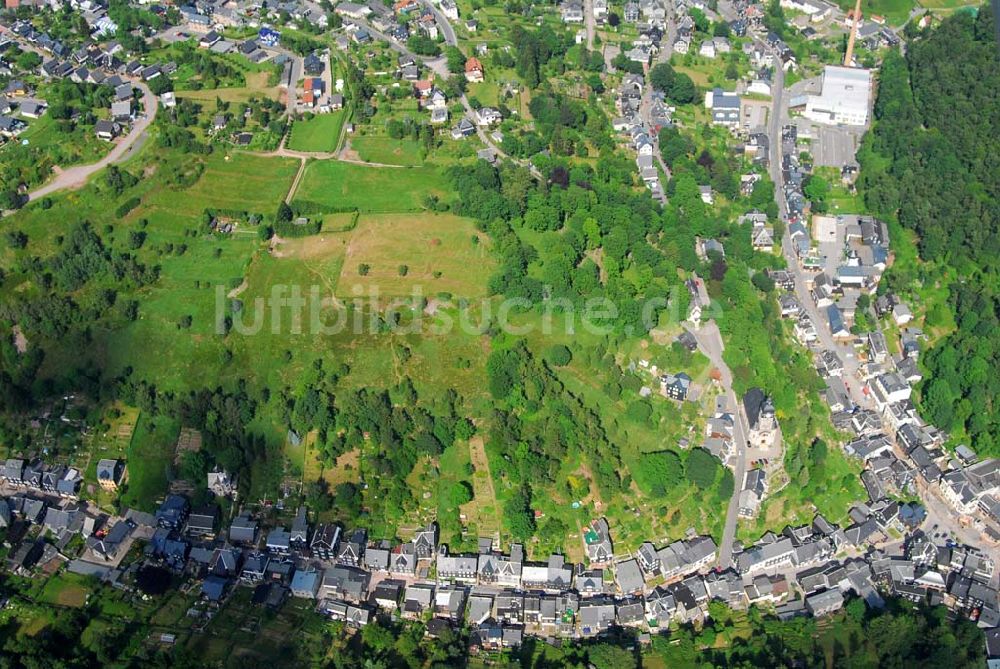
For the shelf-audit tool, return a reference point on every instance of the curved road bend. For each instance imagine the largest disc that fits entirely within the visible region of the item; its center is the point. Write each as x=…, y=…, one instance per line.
x=75, y=177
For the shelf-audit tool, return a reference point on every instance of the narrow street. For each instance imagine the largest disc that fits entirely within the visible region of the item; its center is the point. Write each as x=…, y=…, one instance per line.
x=590, y=20
x=75, y=177
x=941, y=518
x=844, y=351
x=710, y=343
x=440, y=67
x=646, y=104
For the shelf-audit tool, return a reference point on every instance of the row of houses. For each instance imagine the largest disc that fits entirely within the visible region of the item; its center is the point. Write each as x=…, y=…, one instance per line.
x=640, y=134
x=503, y=596
x=902, y=454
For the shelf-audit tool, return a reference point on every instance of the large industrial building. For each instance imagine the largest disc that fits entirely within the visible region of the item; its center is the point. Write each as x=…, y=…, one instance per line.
x=845, y=97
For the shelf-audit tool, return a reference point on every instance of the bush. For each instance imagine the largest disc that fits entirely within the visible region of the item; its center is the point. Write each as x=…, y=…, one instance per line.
x=559, y=355
x=640, y=411
x=16, y=239
x=658, y=472
x=701, y=468
x=127, y=206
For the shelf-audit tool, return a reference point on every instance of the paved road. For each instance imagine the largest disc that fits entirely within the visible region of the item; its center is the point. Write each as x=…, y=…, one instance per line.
x=440, y=66
x=126, y=147
x=291, y=83
x=646, y=103
x=846, y=352
x=591, y=22
x=710, y=343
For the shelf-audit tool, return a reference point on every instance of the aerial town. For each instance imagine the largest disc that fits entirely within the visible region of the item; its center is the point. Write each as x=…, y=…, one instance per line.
x=806, y=425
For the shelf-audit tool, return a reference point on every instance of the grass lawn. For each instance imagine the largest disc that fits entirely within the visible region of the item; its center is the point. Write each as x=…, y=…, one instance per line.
x=387, y=150
x=948, y=5
x=895, y=11
x=343, y=185
x=238, y=181
x=149, y=460
x=437, y=251
x=256, y=86
x=318, y=134
x=65, y=590
x=189, y=285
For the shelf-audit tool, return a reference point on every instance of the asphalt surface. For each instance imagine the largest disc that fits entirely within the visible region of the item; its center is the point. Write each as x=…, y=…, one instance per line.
x=75, y=177
x=710, y=343
x=591, y=21
x=941, y=518
x=646, y=103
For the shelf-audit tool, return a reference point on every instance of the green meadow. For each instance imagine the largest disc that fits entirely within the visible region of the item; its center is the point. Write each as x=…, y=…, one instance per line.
x=342, y=185
x=321, y=133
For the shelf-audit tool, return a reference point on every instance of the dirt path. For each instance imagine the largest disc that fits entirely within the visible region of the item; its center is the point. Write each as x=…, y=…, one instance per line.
x=296, y=181
x=235, y=292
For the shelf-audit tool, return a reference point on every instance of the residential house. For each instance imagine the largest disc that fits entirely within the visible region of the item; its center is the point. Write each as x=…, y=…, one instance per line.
x=243, y=529
x=752, y=494
x=108, y=546
x=824, y=603
x=172, y=512
x=724, y=107
x=598, y=540
x=348, y=583
x=305, y=583
x=110, y=473
x=324, y=541
x=458, y=568
x=106, y=130
x=299, y=536
x=201, y=522
x=675, y=386
x=473, y=70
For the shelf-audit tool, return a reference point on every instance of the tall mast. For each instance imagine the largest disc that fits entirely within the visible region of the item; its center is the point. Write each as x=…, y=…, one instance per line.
x=849, y=56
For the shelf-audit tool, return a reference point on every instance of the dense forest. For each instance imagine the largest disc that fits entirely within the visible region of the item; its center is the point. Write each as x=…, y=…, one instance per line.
x=932, y=163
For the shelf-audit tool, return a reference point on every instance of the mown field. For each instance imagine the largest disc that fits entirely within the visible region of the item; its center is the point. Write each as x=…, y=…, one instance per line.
x=258, y=84
x=370, y=189
x=235, y=181
x=426, y=252
x=317, y=134
x=388, y=151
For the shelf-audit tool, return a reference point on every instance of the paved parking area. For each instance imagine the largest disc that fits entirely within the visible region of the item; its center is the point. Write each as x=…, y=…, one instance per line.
x=835, y=146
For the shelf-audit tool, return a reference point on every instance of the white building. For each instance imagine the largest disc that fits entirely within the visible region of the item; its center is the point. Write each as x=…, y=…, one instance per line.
x=816, y=10
x=845, y=98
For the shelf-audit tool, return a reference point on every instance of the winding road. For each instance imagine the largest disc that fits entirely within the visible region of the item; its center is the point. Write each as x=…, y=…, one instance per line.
x=126, y=147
